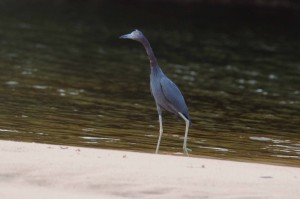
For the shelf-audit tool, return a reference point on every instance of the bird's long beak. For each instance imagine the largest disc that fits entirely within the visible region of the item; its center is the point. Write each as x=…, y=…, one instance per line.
x=127, y=36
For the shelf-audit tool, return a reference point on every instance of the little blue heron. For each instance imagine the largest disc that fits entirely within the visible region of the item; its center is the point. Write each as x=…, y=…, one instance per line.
x=166, y=94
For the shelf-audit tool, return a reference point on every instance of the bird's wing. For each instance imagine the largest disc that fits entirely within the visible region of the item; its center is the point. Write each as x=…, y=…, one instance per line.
x=173, y=95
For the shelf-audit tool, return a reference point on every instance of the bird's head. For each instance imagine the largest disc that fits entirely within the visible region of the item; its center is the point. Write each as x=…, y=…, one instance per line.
x=135, y=35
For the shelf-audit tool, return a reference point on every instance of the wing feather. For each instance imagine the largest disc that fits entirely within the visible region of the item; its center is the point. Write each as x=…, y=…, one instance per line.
x=174, y=96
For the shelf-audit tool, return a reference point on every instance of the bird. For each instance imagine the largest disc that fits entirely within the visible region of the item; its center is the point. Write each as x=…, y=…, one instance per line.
x=166, y=94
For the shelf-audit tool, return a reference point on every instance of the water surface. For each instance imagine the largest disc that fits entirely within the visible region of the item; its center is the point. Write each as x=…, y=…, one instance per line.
x=66, y=78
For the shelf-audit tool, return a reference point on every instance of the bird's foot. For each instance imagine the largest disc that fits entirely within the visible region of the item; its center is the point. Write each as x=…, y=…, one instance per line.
x=156, y=152
x=186, y=150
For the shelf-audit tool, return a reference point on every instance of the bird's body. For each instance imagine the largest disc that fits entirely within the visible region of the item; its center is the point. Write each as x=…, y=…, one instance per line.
x=166, y=94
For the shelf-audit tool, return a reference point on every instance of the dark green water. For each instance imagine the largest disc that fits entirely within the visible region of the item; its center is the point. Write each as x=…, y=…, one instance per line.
x=66, y=78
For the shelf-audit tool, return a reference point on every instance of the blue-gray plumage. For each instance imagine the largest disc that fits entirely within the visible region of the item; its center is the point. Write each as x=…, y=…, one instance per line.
x=166, y=94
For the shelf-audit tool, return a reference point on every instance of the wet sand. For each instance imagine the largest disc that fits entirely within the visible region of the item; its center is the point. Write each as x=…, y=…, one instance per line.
x=31, y=170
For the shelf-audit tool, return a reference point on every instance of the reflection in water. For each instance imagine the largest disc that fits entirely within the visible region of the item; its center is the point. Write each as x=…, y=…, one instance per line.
x=68, y=80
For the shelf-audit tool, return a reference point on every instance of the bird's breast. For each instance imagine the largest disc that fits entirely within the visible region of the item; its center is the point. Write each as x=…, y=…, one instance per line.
x=155, y=87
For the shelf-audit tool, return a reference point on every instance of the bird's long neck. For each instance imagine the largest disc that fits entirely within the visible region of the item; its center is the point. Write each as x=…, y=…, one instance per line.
x=151, y=56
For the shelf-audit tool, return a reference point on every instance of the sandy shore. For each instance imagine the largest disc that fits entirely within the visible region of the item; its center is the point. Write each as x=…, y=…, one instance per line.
x=30, y=170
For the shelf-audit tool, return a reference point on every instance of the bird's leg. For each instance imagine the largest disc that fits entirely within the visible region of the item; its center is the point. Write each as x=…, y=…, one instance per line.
x=187, y=125
x=160, y=133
